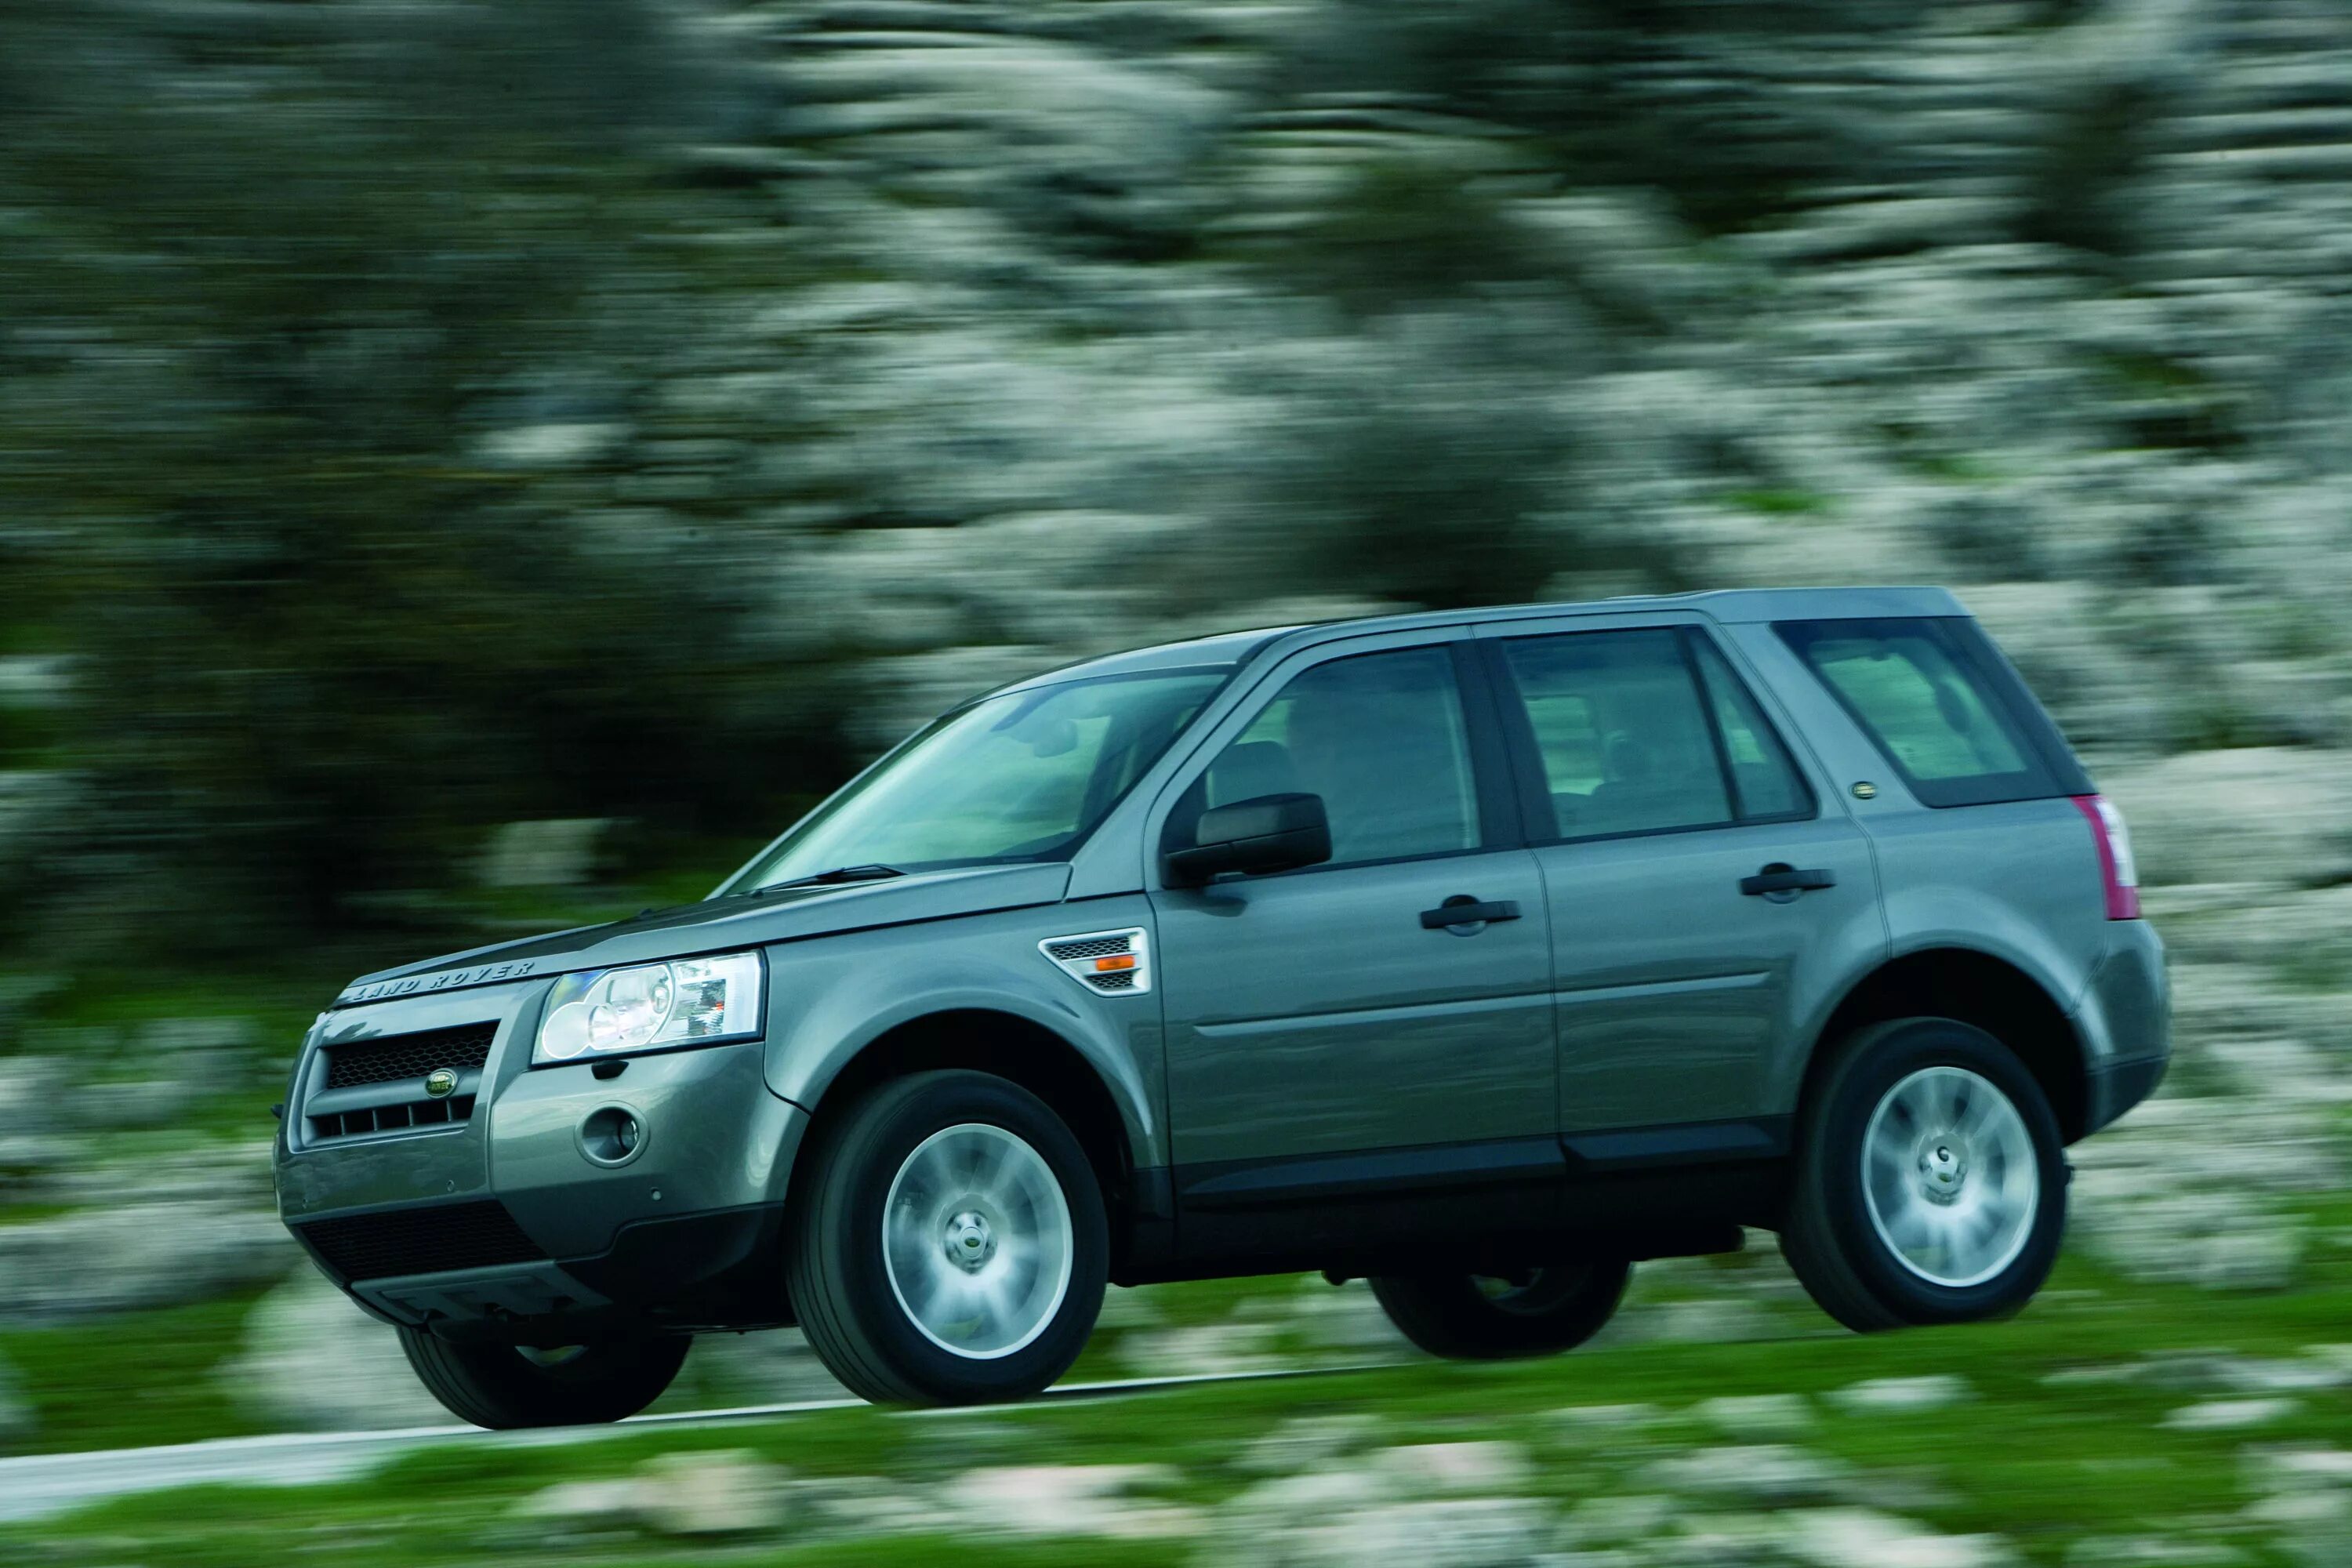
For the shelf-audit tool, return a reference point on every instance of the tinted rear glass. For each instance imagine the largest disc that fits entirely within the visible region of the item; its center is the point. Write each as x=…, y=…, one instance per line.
x=1943, y=705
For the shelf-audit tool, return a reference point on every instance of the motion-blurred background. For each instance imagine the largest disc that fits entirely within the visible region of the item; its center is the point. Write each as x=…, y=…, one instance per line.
x=468, y=467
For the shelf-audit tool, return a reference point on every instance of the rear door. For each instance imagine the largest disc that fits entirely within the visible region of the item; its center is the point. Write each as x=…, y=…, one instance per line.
x=1336, y=1062
x=1701, y=878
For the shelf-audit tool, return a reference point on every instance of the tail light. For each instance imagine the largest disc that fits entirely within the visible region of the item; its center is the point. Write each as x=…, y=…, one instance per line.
x=2117, y=869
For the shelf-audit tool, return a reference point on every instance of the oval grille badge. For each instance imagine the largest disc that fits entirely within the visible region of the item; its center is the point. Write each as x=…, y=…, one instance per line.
x=441, y=1082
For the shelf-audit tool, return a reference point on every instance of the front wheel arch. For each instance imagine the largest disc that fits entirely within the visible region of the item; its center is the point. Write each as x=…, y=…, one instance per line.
x=1006, y=1046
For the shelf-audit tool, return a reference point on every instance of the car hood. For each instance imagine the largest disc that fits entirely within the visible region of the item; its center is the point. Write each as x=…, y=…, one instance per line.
x=785, y=915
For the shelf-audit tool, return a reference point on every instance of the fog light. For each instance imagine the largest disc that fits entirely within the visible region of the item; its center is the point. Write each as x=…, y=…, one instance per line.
x=612, y=1135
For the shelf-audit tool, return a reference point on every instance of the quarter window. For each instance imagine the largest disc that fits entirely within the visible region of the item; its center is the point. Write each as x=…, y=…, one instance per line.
x=1935, y=696
x=1381, y=737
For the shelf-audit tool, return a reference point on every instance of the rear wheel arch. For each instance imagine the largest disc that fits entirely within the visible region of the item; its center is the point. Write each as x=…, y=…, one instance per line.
x=1974, y=987
x=1011, y=1046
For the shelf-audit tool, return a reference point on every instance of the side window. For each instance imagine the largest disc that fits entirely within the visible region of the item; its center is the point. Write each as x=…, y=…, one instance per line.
x=1768, y=784
x=1381, y=737
x=1623, y=731
x=1931, y=693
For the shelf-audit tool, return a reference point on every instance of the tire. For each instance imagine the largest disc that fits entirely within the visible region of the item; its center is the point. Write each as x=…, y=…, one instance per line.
x=1930, y=1184
x=502, y=1386
x=1469, y=1317
x=950, y=1246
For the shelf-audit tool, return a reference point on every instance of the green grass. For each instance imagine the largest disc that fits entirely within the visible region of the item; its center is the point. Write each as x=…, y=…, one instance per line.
x=1782, y=502
x=2044, y=1463
x=128, y=1382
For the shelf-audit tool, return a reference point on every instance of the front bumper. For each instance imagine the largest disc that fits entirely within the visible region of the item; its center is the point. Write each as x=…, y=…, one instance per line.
x=504, y=1222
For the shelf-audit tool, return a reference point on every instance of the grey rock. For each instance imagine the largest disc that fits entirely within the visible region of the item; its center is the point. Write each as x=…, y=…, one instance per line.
x=559, y=852
x=313, y=1361
x=2230, y=1415
x=773, y=1367
x=17, y=1416
x=2279, y=816
x=1069, y=1500
x=1903, y=1396
x=1763, y=1472
x=727, y=1492
x=1463, y=1532
x=97, y=1261
x=1839, y=1538
x=1758, y=1415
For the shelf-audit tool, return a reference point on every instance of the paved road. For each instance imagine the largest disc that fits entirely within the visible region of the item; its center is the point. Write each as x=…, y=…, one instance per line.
x=45, y=1484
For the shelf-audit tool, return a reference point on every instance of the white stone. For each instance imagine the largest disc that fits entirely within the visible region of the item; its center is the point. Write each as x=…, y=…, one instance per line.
x=1465, y=1532
x=1207, y=1348
x=559, y=852
x=1130, y=1307
x=1904, y=1395
x=313, y=1361
x=96, y=1261
x=1642, y=1516
x=1484, y=1465
x=769, y=1366
x=2153, y=1551
x=18, y=1418
x=2265, y=814
x=1067, y=1500
x=583, y=1505
x=1334, y=1489
x=710, y=1492
x=2230, y=1415
x=1757, y=1414
x=1849, y=1537
x=1772, y=1472
x=1307, y=1442
x=1603, y=1417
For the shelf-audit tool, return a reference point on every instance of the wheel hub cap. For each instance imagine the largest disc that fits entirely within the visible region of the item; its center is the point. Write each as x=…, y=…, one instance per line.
x=978, y=1241
x=1950, y=1177
x=1943, y=1169
x=970, y=1241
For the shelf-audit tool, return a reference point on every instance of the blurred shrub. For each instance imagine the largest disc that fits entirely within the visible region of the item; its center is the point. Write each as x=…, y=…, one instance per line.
x=321, y=316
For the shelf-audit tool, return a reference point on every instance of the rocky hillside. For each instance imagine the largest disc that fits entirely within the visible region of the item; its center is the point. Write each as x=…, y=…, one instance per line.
x=749, y=383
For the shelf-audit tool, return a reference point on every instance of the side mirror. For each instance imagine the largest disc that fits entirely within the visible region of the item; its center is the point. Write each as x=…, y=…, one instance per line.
x=1271, y=833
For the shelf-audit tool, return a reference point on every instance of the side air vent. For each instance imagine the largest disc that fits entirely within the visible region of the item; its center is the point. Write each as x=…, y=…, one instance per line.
x=1109, y=962
x=420, y=1240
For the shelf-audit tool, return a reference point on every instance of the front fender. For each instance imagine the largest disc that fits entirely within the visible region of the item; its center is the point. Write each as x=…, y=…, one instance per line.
x=834, y=997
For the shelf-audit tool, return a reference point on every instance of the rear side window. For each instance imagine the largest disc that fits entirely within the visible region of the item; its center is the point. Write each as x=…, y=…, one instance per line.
x=1646, y=731
x=1943, y=706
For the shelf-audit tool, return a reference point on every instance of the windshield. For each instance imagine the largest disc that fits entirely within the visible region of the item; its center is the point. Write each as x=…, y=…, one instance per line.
x=1022, y=776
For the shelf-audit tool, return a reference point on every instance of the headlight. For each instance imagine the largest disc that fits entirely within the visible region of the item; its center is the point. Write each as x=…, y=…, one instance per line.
x=652, y=1008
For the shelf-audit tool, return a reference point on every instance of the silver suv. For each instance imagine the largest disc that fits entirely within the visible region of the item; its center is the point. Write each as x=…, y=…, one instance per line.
x=1483, y=954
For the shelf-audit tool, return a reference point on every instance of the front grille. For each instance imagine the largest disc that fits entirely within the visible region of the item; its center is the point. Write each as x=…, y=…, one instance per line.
x=421, y=1241
x=378, y=1085
x=390, y=1057
x=425, y=1113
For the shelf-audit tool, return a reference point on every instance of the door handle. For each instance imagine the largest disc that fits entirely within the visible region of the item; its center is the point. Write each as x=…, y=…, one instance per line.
x=1462, y=909
x=1780, y=879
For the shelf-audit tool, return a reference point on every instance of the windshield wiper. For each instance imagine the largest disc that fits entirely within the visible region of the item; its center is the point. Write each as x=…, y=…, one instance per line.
x=839, y=873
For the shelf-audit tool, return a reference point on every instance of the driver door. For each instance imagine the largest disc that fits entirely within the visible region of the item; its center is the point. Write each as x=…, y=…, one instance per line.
x=1338, y=1066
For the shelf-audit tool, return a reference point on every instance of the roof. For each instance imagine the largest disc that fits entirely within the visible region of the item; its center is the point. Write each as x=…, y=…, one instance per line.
x=1730, y=605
